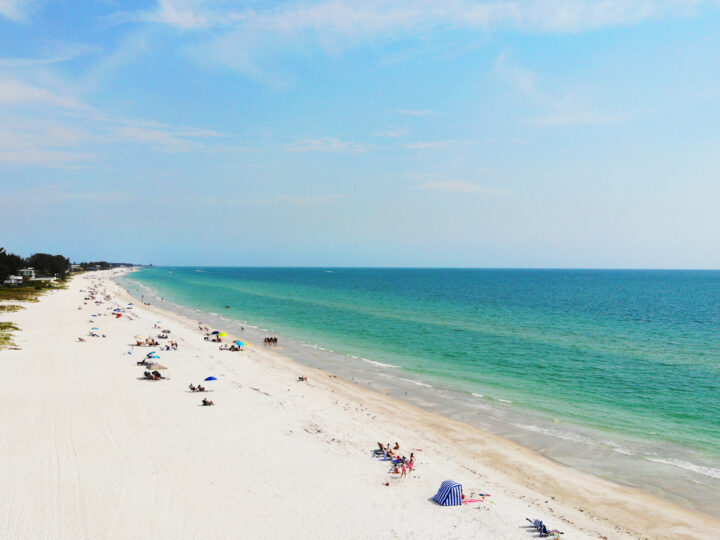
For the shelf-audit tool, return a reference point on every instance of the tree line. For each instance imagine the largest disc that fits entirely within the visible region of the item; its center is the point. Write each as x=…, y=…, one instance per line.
x=43, y=263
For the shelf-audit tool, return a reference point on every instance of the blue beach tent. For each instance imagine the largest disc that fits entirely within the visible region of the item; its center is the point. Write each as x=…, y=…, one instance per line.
x=449, y=494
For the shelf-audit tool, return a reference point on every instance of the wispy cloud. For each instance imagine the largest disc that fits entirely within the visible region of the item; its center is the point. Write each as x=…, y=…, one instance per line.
x=63, y=54
x=16, y=92
x=411, y=112
x=15, y=10
x=459, y=186
x=326, y=144
x=426, y=145
x=373, y=17
x=43, y=127
x=391, y=133
x=309, y=199
x=251, y=37
x=49, y=158
x=59, y=193
x=556, y=107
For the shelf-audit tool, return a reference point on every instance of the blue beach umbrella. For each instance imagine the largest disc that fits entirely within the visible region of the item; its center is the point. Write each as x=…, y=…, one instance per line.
x=210, y=379
x=154, y=356
x=94, y=328
x=240, y=343
x=215, y=332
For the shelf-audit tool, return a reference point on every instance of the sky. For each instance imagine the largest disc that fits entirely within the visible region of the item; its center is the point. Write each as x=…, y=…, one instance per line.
x=468, y=133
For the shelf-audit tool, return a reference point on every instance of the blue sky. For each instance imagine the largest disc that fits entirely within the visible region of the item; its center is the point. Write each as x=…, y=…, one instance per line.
x=547, y=133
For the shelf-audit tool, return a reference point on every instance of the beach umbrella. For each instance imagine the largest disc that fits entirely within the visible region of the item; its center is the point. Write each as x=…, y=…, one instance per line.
x=215, y=332
x=154, y=356
x=156, y=366
x=222, y=334
x=210, y=378
x=240, y=343
x=140, y=337
x=94, y=328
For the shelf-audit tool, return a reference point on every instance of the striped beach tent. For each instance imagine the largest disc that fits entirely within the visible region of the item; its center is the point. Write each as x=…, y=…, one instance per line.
x=449, y=494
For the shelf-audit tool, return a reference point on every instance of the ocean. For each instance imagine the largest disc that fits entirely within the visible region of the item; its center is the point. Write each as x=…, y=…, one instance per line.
x=616, y=373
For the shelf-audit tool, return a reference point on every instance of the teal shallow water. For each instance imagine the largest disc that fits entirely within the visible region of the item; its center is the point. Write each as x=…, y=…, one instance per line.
x=630, y=357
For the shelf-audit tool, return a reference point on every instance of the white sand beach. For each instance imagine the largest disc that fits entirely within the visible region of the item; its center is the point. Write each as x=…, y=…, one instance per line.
x=91, y=449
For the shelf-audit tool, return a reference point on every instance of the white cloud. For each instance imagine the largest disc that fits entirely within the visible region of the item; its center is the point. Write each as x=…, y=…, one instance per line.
x=15, y=10
x=308, y=200
x=179, y=13
x=392, y=133
x=49, y=158
x=426, y=145
x=250, y=37
x=459, y=186
x=326, y=144
x=411, y=112
x=556, y=107
x=579, y=117
x=42, y=127
x=373, y=17
x=62, y=55
x=15, y=92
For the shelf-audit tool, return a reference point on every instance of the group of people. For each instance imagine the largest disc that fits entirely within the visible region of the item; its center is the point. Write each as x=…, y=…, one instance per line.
x=154, y=375
x=270, y=341
x=233, y=348
x=400, y=464
x=147, y=343
x=199, y=388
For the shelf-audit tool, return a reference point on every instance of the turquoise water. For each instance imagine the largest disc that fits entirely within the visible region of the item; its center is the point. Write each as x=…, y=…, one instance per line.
x=633, y=355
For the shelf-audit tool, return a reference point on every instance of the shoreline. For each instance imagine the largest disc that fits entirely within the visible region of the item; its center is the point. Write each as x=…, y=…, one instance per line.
x=317, y=434
x=529, y=455
x=653, y=467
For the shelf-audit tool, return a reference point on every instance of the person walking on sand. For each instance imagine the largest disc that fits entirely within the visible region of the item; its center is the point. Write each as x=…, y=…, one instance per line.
x=404, y=470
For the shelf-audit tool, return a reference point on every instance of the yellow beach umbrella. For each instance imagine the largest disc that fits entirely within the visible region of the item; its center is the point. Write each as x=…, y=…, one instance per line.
x=222, y=334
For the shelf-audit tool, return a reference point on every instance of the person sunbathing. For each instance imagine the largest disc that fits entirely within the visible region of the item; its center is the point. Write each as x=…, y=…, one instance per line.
x=207, y=402
x=397, y=446
x=200, y=388
x=192, y=387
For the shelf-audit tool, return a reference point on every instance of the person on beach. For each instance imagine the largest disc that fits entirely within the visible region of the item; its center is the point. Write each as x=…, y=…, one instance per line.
x=404, y=470
x=206, y=402
x=192, y=387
